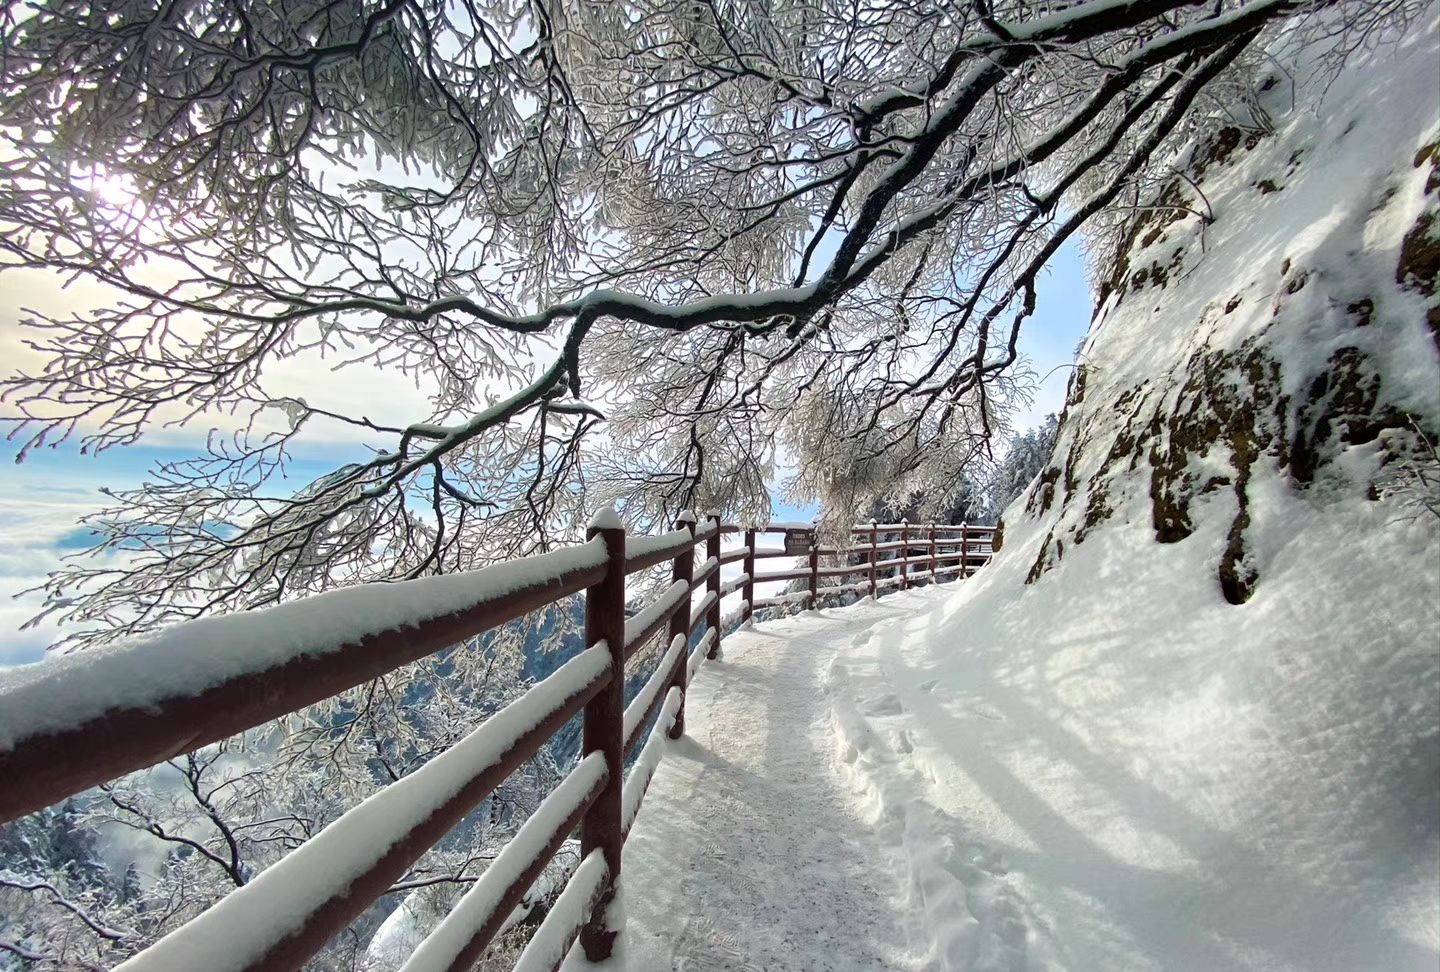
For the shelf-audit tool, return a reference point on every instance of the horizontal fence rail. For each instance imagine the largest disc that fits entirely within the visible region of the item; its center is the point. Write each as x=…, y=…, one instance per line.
x=105, y=734
x=939, y=550
x=77, y=721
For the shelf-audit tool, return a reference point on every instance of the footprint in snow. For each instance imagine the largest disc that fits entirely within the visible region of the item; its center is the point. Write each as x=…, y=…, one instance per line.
x=929, y=686
x=886, y=705
x=986, y=712
x=701, y=947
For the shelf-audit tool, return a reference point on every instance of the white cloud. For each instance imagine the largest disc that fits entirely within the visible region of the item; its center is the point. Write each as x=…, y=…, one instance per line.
x=38, y=517
x=380, y=394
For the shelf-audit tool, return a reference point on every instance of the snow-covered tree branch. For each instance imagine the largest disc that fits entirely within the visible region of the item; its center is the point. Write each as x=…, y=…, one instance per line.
x=629, y=251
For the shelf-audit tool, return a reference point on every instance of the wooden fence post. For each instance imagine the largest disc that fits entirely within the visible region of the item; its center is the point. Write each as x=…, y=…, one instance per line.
x=604, y=727
x=964, y=550
x=747, y=590
x=874, y=536
x=712, y=619
x=683, y=569
x=904, y=554
x=934, y=560
x=814, y=574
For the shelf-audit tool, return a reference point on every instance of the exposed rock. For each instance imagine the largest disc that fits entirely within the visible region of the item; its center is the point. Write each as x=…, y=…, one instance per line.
x=1197, y=434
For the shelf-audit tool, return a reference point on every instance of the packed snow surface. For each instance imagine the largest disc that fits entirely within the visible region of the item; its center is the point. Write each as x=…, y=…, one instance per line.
x=747, y=852
x=936, y=781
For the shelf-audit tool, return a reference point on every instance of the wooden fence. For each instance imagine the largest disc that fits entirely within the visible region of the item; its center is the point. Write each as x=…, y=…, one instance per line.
x=292, y=909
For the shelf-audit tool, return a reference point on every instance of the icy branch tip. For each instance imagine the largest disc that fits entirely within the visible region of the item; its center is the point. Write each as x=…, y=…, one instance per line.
x=606, y=518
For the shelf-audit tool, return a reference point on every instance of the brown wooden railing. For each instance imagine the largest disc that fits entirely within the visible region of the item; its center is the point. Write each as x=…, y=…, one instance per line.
x=949, y=551
x=292, y=909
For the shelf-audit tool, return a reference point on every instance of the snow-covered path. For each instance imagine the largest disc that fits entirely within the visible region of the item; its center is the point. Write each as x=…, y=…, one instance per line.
x=748, y=853
x=761, y=846
x=886, y=787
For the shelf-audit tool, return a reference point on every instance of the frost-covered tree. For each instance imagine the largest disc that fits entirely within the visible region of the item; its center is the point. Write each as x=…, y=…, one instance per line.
x=1024, y=459
x=59, y=903
x=631, y=251
x=978, y=494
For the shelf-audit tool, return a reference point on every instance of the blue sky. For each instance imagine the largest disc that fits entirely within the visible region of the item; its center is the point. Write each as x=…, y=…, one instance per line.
x=42, y=499
x=1049, y=339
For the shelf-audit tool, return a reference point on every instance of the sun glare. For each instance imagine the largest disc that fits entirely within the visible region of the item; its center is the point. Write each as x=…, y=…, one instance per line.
x=115, y=196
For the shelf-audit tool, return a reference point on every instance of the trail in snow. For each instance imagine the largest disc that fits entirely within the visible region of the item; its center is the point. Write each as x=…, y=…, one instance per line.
x=763, y=846
x=956, y=900
x=900, y=786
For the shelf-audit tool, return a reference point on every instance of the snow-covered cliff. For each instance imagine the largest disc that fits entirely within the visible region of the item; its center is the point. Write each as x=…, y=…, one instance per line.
x=1266, y=343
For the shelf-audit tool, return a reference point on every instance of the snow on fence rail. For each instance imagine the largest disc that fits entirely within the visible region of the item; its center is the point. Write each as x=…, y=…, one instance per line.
x=76, y=721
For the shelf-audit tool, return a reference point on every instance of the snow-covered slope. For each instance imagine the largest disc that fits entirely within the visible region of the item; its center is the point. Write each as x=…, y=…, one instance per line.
x=1194, y=705
x=1266, y=344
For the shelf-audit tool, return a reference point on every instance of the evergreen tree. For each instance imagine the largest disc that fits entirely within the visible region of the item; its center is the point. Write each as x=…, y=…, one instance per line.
x=1025, y=459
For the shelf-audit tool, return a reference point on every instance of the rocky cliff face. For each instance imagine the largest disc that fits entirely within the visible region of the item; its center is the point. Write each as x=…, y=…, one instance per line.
x=1267, y=340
